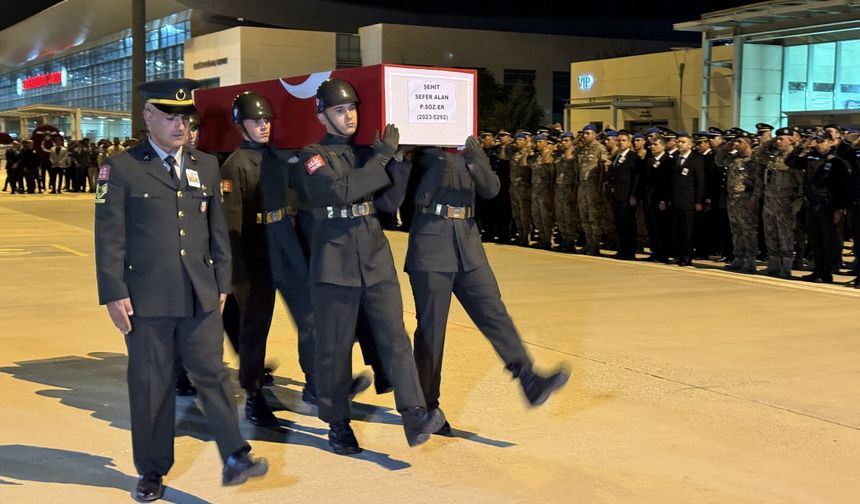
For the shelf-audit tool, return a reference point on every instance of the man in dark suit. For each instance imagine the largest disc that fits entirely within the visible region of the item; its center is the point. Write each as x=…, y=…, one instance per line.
x=351, y=265
x=624, y=178
x=445, y=257
x=163, y=270
x=655, y=192
x=688, y=196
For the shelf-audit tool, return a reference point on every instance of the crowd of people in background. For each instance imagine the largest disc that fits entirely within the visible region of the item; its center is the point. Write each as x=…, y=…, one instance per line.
x=58, y=166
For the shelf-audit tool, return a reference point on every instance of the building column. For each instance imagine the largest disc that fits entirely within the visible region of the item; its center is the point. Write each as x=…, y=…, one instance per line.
x=737, y=80
x=2, y=124
x=138, y=62
x=23, y=133
x=77, y=117
x=706, y=83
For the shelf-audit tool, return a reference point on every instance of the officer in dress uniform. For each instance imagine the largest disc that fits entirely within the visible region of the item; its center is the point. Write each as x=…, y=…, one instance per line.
x=163, y=270
x=445, y=257
x=351, y=265
x=248, y=311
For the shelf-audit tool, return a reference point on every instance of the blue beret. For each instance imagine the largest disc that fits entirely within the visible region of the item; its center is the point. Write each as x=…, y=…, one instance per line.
x=520, y=135
x=540, y=137
x=638, y=135
x=589, y=127
x=567, y=134
x=653, y=131
x=611, y=133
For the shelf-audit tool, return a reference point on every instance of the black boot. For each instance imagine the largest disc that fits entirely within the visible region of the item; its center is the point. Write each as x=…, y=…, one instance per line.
x=149, y=488
x=257, y=410
x=538, y=388
x=240, y=466
x=445, y=430
x=418, y=423
x=341, y=438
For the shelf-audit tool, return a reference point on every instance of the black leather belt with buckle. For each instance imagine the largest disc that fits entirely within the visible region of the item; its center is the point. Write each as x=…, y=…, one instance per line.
x=347, y=212
x=275, y=215
x=448, y=211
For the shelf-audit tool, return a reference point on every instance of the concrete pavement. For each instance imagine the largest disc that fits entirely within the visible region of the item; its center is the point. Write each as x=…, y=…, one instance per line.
x=689, y=385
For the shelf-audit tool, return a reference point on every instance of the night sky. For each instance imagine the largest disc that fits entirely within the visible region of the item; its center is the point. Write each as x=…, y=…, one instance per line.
x=583, y=16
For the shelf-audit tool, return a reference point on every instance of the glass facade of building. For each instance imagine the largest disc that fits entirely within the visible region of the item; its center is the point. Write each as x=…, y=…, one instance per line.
x=823, y=76
x=98, y=76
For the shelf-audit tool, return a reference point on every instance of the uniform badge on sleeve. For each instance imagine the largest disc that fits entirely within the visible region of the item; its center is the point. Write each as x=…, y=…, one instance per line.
x=203, y=206
x=101, y=192
x=313, y=164
x=104, y=172
x=226, y=185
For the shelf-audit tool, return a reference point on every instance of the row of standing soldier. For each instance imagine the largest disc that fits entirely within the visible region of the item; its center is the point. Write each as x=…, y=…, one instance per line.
x=678, y=193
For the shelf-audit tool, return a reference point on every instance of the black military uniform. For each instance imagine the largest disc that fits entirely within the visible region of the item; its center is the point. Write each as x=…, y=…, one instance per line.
x=445, y=256
x=351, y=266
x=624, y=177
x=688, y=190
x=287, y=257
x=827, y=188
x=248, y=311
x=706, y=235
x=161, y=242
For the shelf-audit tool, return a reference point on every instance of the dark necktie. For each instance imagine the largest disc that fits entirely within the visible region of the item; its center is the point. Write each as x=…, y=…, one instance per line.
x=171, y=162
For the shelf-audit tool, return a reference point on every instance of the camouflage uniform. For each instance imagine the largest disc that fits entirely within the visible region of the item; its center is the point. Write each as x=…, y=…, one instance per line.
x=744, y=185
x=783, y=197
x=590, y=160
x=543, y=177
x=566, y=211
x=521, y=195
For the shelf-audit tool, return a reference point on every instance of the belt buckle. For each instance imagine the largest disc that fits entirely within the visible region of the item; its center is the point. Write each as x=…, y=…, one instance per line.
x=261, y=218
x=455, y=212
x=360, y=209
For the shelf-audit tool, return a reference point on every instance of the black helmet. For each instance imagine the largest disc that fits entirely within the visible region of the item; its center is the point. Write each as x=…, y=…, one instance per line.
x=194, y=121
x=334, y=92
x=250, y=105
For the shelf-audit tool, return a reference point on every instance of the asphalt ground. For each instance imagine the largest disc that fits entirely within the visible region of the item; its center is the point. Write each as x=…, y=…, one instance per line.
x=688, y=385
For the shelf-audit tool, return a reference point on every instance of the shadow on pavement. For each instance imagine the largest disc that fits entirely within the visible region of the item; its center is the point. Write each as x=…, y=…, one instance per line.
x=97, y=383
x=51, y=465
